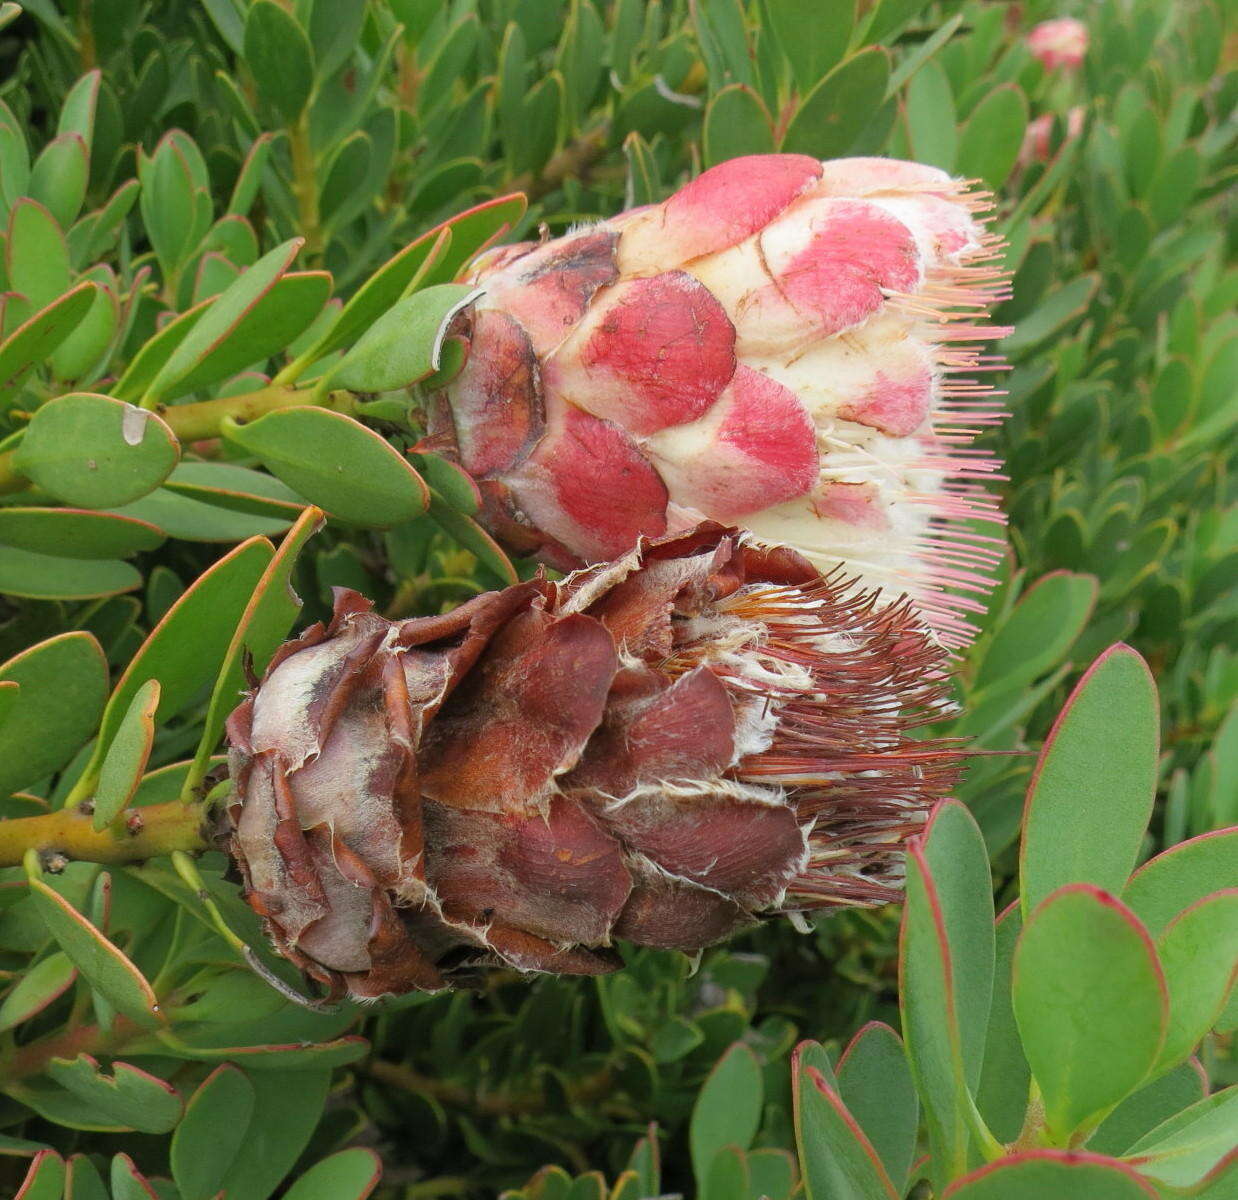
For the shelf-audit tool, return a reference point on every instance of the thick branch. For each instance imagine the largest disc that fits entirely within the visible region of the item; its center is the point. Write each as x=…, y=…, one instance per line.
x=157, y=829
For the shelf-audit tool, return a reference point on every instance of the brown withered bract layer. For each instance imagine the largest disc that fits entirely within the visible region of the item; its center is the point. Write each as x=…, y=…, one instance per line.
x=661, y=749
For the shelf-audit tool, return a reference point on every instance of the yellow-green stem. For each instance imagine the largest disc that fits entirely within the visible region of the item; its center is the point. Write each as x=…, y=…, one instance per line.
x=156, y=829
x=305, y=187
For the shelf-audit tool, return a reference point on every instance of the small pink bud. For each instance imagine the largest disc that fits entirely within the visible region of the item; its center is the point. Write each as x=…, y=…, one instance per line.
x=1062, y=42
x=1037, y=140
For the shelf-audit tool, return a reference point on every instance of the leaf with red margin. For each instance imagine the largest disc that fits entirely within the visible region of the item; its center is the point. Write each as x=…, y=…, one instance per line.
x=874, y=1082
x=1199, y=955
x=727, y=1110
x=269, y=615
x=1194, y=1148
x=128, y=1183
x=41, y=985
x=1184, y=874
x=215, y=1125
x=294, y=1056
x=45, y=1178
x=63, y=687
x=121, y=770
x=435, y=256
x=128, y=1096
x=185, y=650
x=84, y=1181
x=101, y=963
x=837, y=1161
x=1154, y=1103
x=473, y=538
x=212, y=332
x=1092, y=791
x=33, y=341
x=1060, y=1174
x=1004, y=1078
x=474, y=230
x=946, y=957
x=1091, y=1002
x=348, y=1175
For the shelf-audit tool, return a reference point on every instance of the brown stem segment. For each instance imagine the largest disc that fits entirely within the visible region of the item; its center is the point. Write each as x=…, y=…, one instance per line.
x=573, y=161
x=32, y=1059
x=156, y=829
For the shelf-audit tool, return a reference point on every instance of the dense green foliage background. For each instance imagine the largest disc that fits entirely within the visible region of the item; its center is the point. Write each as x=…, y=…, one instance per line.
x=171, y=144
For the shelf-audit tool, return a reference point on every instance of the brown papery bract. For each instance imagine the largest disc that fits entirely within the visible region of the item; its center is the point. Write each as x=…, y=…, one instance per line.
x=661, y=749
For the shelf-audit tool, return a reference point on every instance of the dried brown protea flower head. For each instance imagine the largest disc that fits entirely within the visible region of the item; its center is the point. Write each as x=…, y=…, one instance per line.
x=660, y=749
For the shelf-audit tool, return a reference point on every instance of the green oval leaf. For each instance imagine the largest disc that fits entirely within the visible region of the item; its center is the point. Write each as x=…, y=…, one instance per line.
x=77, y=533
x=238, y=489
x=280, y=57
x=105, y=967
x=337, y=463
x=1192, y=1147
x=1040, y=631
x=181, y=515
x=1171, y=882
x=1091, y=1003
x=728, y=1108
x=277, y=318
x=45, y=1178
x=989, y=142
x=404, y=344
x=36, y=257
x=33, y=342
x=737, y=123
x=946, y=957
x=349, y=1175
x=1062, y=1174
x=128, y=1095
x=268, y=617
x=473, y=538
x=208, y=340
x=1092, y=791
x=875, y=1084
x=125, y=761
x=836, y=1158
x=40, y=986
x=835, y=113
x=44, y=577
x=63, y=684
x=96, y=452
x=213, y=1129
x=185, y=650
x=1199, y=954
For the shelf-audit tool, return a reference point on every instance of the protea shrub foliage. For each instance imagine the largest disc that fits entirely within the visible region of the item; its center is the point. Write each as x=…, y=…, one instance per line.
x=660, y=749
x=795, y=346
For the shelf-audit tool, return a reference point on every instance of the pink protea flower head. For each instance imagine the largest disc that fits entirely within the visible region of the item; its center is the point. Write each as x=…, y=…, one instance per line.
x=784, y=344
x=660, y=749
x=1062, y=42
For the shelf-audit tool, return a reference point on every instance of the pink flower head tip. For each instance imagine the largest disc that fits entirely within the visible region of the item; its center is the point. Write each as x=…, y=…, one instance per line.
x=1062, y=42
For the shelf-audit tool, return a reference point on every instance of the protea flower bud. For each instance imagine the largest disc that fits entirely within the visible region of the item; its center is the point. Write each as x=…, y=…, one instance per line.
x=660, y=749
x=1038, y=138
x=784, y=344
x=1060, y=43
